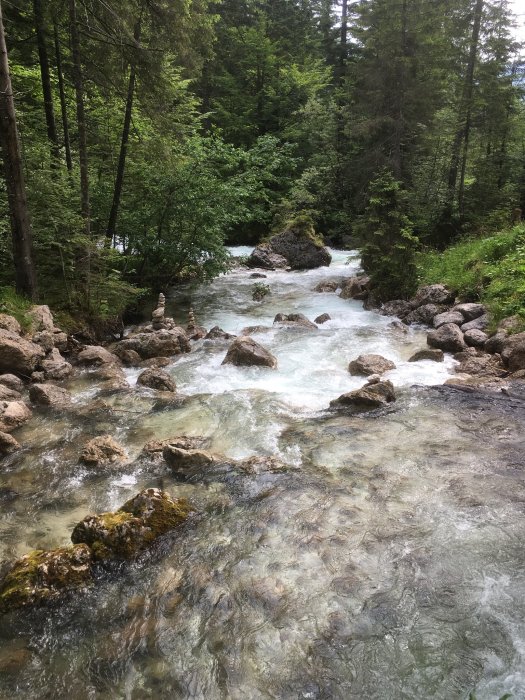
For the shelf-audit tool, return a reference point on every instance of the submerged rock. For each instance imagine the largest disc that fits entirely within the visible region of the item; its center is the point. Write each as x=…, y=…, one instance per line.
x=43, y=576
x=246, y=352
x=294, y=320
x=50, y=395
x=433, y=354
x=102, y=450
x=132, y=528
x=326, y=287
x=183, y=460
x=18, y=355
x=367, y=397
x=323, y=318
x=365, y=365
x=156, y=379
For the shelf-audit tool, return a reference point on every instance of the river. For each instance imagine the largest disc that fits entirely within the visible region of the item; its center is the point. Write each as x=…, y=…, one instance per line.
x=386, y=560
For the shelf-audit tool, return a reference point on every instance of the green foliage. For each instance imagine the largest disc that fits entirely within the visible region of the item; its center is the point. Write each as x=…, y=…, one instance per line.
x=490, y=269
x=389, y=244
x=259, y=291
x=13, y=304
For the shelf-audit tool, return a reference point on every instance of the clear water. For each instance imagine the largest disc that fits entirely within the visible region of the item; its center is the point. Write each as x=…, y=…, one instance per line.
x=386, y=561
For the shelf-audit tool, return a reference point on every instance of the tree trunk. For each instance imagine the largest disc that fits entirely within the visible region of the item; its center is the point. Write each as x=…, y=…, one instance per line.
x=46, y=80
x=81, y=117
x=112, y=223
x=63, y=104
x=25, y=275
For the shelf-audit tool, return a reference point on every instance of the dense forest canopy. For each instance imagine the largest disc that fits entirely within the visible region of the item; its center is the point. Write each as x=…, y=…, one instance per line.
x=152, y=131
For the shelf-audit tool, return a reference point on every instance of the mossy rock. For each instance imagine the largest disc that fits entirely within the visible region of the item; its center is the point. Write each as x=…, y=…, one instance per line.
x=42, y=576
x=134, y=527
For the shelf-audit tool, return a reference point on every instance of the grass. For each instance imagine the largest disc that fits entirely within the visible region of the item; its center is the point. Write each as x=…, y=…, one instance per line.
x=13, y=304
x=490, y=270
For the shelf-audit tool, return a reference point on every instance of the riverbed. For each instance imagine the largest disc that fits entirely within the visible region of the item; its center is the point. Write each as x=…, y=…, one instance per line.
x=384, y=560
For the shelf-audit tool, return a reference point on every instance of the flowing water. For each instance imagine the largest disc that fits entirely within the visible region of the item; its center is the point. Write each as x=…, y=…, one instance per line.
x=386, y=560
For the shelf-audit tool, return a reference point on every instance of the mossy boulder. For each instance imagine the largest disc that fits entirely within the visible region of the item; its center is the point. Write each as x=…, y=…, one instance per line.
x=298, y=244
x=43, y=576
x=134, y=527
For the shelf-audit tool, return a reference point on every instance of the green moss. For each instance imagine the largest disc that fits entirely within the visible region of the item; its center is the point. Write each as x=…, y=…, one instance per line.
x=13, y=304
x=303, y=225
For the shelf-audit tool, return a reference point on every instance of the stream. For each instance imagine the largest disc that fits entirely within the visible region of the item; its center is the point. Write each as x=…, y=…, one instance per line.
x=386, y=560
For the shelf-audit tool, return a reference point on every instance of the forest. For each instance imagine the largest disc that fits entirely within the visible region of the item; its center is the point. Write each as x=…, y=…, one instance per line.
x=151, y=132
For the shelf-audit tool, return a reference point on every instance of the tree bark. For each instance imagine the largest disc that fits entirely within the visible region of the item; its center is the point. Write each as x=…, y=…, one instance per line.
x=81, y=117
x=43, y=60
x=121, y=167
x=22, y=235
x=63, y=104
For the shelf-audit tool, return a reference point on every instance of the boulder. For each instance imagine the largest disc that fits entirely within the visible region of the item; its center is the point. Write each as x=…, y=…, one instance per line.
x=55, y=367
x=255, y=329
x=327, y=286
x=495, y=343
x=49, y=395
x=96, y=355
x=246, y=352
x=475, y=338
x=156, y=362
x=45, y=339
x=365, y=365
x=113, y=377
x=480, y=323
x=482, y=365
x=17, y=354
x=396, y=307
x=12, y=381
x=398, y=327
x=323, y=318
x=300, y=246
x=130, y=358
x=447, y=337
x=264, y=257
x=156, y=379
x=102, y=450
x=510, y=324
x=513, y=352
x=448, y=317
x=163, y=343
x=41, y=318
x=8, y=444
x=433, y=294
x=424, y=314
x=258, y=276
x=355, y=287
x=154, y=448
x=60, y=340
x=217, y=333
x=7, y=394
x=294, y=320
x=183, y=461
x=13, y=414
x=43, y=576
x=9, y=323
x=428, y=354
x=132, y=528
x=367, y=397
x=470, y=311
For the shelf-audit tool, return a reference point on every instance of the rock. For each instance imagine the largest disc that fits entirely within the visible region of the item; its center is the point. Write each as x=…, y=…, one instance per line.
x=60, y=340
x=113, y=377
x=157, y=317
x=323, y=318
x=132, y=528
x=8, y=444
x=156, y=362
x=7, y=394
x=355, y=287
x=41, y=318
x=520, y=374
x=9, y=323
x=367, y=397
x=470, y=311
x=49, y=395
x=43, y=576
x=246, y=352
x=130, y=358
x=38, y=377
x=301, y=247
x=13, y=414
x=475, y=338
x=424, y=314
x=255, y=329
x=373, y=379
x=324, y=287
x=55, y=367
x=447, y=337
x=154, y=448
x=258, y=465
x=480, y=324
x=510, y=324
x=185, y=461
x=396, y=307
x=448, y=317
x=217, y=333
x=258, y=276
x=163, y=343
x=495, y=343
x=12, y=381
x=370, y=364
x=14, y=657
x=433, y=294
x=45, y=339
x=264, y=257
x=513, y=352
x=482, y=365
x=96, y=355
x=466, y=354
x=294, y=320
x=428, y=354
x=156, y=379
x=17, y=354
x=399, y=327
x=102, y=450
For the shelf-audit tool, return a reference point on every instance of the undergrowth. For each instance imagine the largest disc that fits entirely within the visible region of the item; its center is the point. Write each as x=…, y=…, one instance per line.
x=13, y=304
